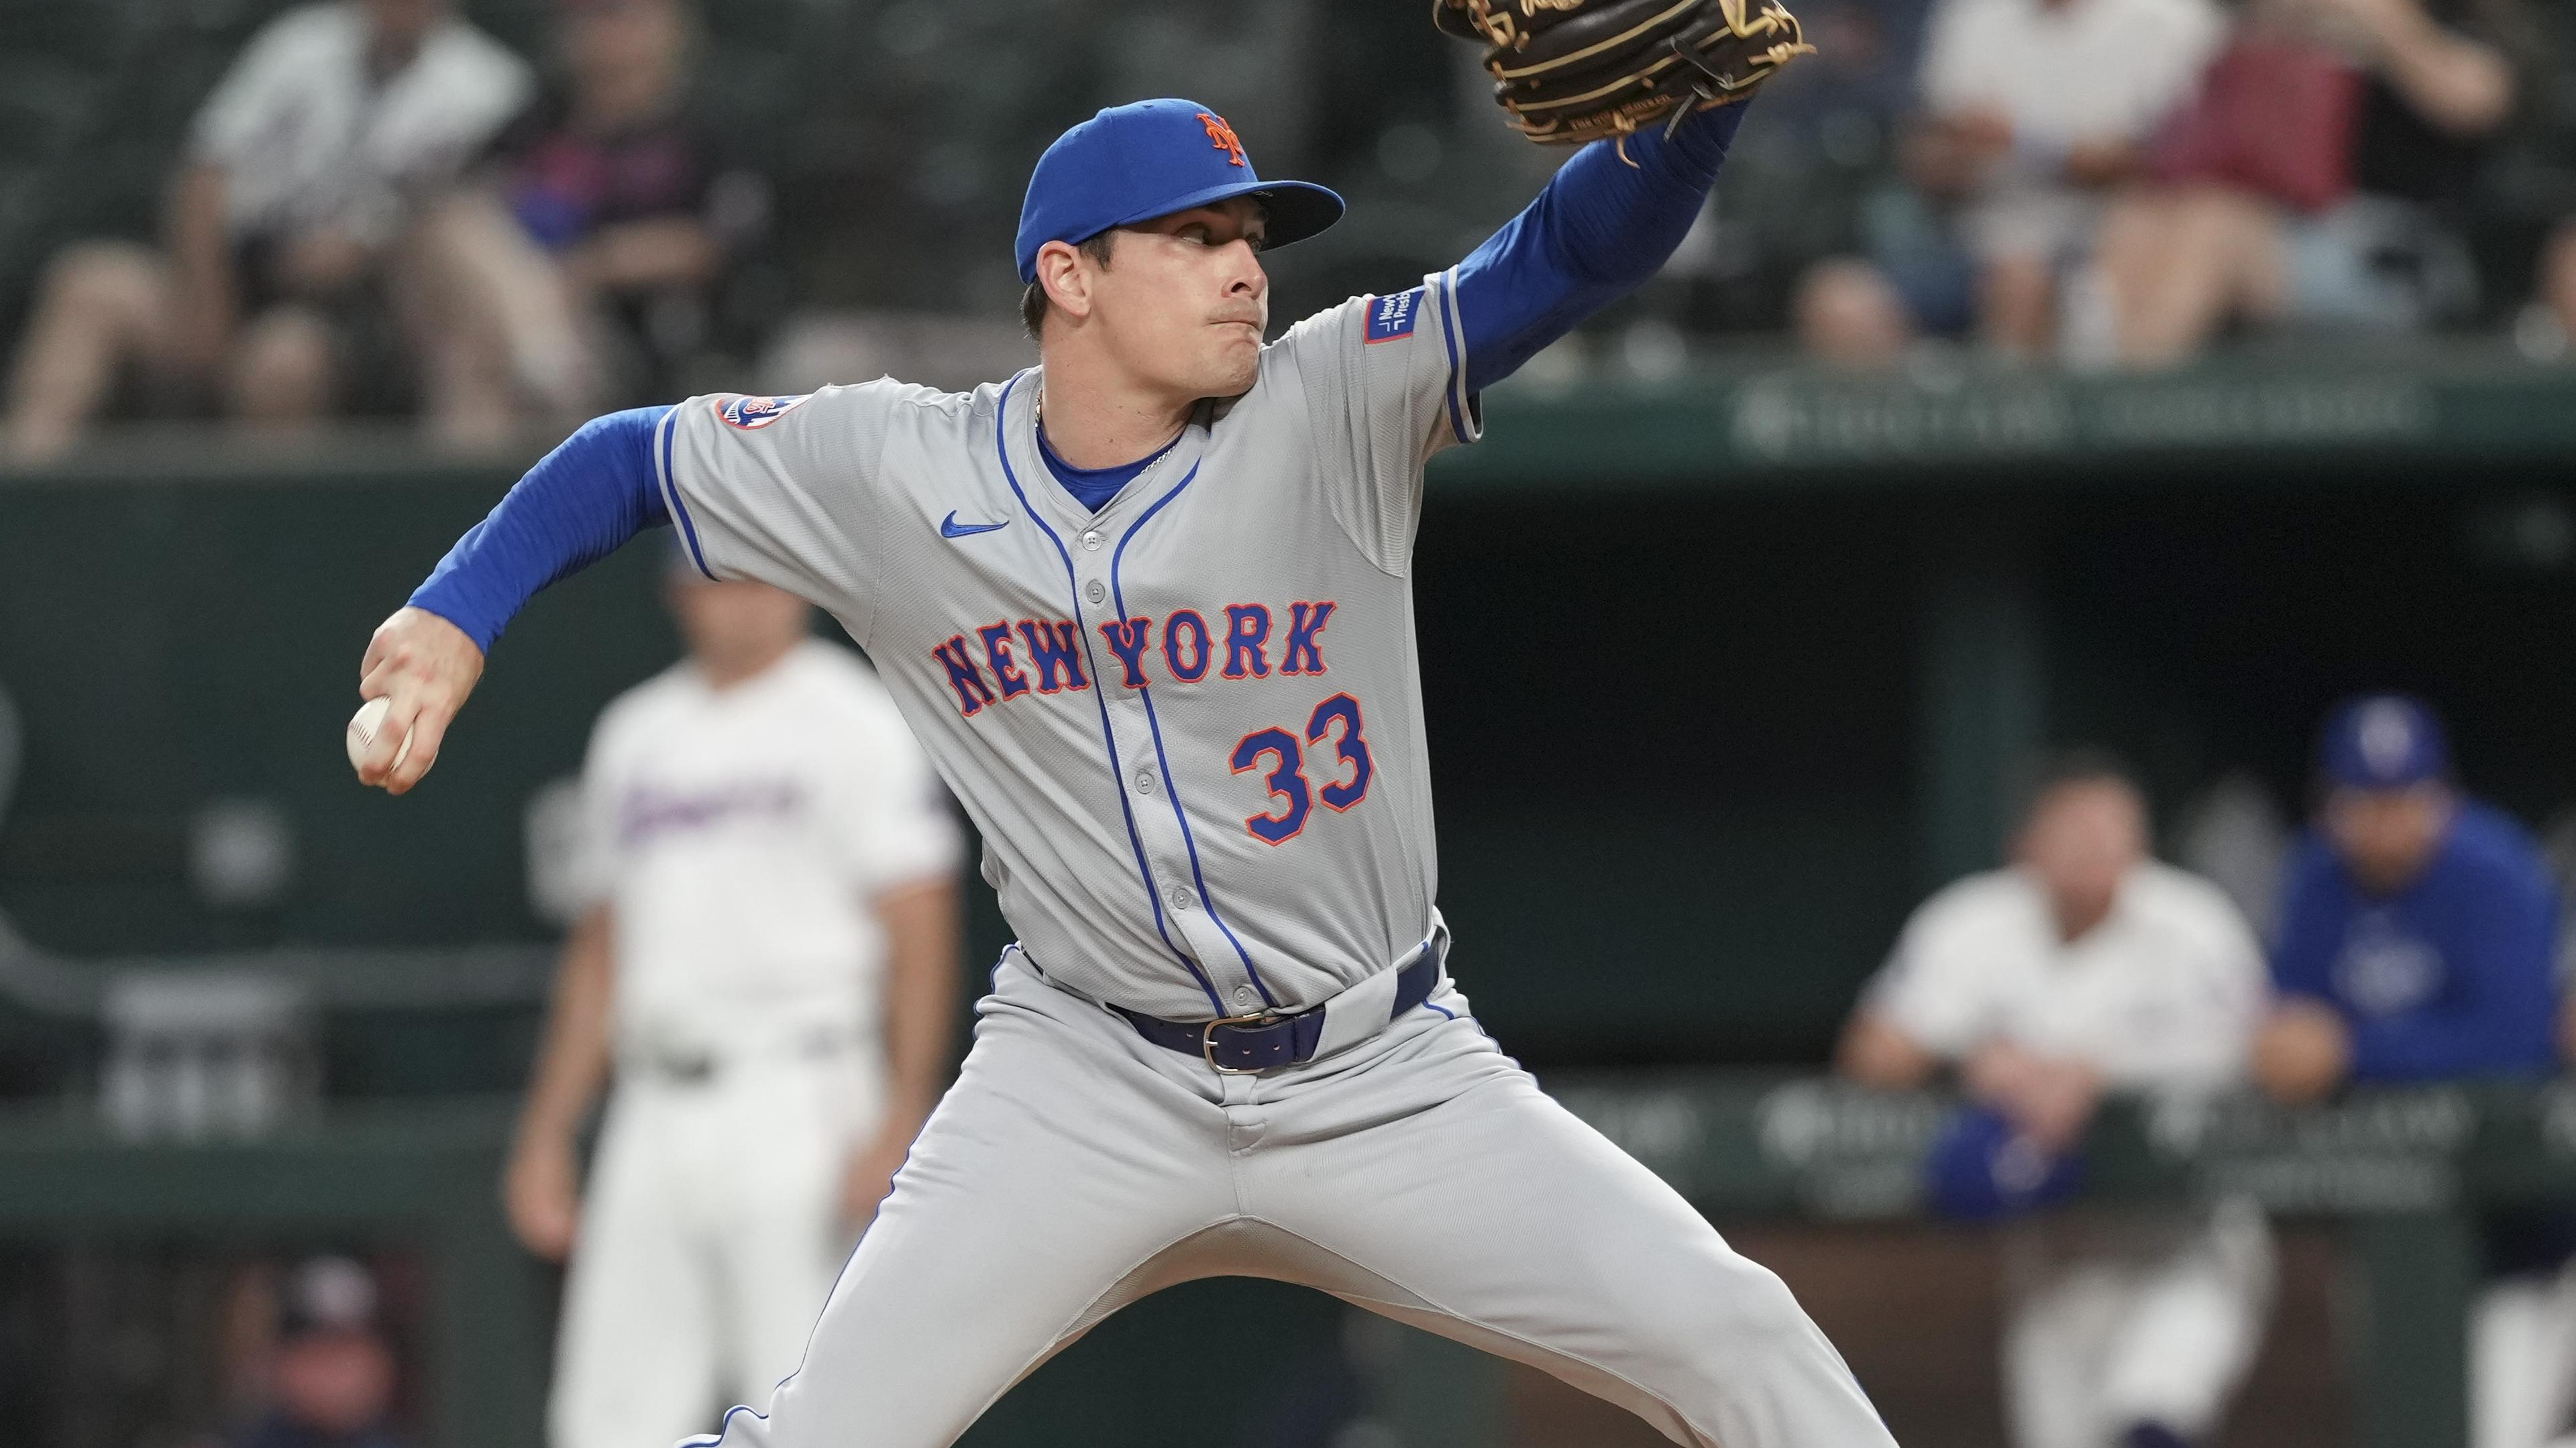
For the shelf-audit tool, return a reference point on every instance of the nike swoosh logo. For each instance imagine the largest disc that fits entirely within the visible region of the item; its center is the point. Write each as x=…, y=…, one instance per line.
x=949, y=527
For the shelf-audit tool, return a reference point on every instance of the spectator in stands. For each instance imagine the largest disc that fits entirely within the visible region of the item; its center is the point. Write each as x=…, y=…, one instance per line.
x=1799, y=186
x=300, y=174
x=2034, y=108
x=579, y=267
x=2308, y=203
x=331, y=1380
x=2417, y=940
x=2085, y=967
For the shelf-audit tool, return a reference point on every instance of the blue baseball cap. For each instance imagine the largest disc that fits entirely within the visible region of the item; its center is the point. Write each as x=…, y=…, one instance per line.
x=1135, y=162
x=2383, y=741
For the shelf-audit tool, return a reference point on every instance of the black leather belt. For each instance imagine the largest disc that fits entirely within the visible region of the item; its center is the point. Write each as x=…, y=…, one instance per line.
x=699, y=1068
x=1243, y=1045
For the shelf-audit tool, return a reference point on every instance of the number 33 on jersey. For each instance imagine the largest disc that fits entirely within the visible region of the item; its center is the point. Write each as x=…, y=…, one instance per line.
x=987, y=671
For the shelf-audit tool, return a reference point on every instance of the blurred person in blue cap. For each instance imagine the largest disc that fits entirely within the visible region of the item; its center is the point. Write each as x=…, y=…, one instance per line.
x=1135, y=601
x=2084, y=967
x=2418, y=934
x=2417, y=923
x=331, y=1378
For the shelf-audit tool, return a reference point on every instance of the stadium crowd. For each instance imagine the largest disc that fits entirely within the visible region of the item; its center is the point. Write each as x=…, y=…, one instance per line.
x=380, y=194
x=2122, y=180
x=379, y=209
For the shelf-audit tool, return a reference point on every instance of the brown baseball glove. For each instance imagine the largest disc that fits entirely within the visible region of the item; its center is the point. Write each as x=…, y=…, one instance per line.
x=1571, y=71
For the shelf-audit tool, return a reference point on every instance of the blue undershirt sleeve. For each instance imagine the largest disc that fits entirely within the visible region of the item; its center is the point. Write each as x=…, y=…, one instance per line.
x=1598, y=230
x=592, y=493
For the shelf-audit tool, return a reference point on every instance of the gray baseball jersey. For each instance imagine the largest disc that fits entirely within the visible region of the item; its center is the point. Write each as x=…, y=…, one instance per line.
x=1189, y=726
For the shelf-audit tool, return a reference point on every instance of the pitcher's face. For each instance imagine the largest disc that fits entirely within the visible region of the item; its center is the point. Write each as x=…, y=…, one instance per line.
x=1184, y=301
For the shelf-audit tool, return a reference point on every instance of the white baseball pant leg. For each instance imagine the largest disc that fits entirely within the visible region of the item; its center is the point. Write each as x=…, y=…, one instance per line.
x=2098, y=1345
x=2053, y=1346
x=635, y=1350
x=710, y=1236
x=1076, y=1167
x=2522, y=1361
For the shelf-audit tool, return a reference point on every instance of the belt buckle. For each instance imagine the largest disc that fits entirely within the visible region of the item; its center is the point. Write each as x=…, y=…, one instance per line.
x=1207, y=1040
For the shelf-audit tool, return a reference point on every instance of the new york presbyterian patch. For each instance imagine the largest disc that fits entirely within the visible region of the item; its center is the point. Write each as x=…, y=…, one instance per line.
x=1390, y=319
x=748, y=413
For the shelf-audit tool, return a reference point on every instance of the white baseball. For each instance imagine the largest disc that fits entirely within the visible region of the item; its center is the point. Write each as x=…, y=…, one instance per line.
x=362, y=731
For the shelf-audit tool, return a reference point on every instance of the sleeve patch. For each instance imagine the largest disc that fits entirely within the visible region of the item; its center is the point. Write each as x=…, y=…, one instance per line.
x=1390, y=319
x=749, y=413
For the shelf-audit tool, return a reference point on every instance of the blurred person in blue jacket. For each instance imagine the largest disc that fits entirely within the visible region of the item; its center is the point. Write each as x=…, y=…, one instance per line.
x=2417, y=931
x=2418, y=936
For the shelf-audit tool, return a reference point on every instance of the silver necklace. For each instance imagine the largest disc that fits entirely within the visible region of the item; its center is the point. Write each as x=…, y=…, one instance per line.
x=1037, y=420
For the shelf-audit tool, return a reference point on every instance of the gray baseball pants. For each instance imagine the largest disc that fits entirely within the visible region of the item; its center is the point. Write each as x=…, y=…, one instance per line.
x=1076, y=1167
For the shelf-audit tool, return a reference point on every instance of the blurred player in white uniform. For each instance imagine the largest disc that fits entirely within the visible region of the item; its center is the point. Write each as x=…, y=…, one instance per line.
x=2086, y=967
x=770, y=966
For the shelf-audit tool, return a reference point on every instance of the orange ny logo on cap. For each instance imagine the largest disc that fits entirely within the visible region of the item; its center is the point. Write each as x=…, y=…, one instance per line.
x=1222, y=135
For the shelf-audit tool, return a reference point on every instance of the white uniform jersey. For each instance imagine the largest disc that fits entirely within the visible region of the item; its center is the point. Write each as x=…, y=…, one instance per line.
x=2164, y=994
x=1189, y=725
x=740, y=835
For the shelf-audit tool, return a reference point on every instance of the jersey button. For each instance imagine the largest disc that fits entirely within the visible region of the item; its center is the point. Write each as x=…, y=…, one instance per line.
x=1095, y=592
x=1180, y=897
x=1144, y=781
x=1091, y=540
x=1246, y=997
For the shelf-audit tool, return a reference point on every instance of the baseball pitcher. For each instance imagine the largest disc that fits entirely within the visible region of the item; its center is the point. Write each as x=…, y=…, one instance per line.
x=1147, y=605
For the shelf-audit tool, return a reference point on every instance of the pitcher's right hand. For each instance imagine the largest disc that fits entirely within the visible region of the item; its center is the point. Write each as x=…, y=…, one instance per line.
x=426, y=666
